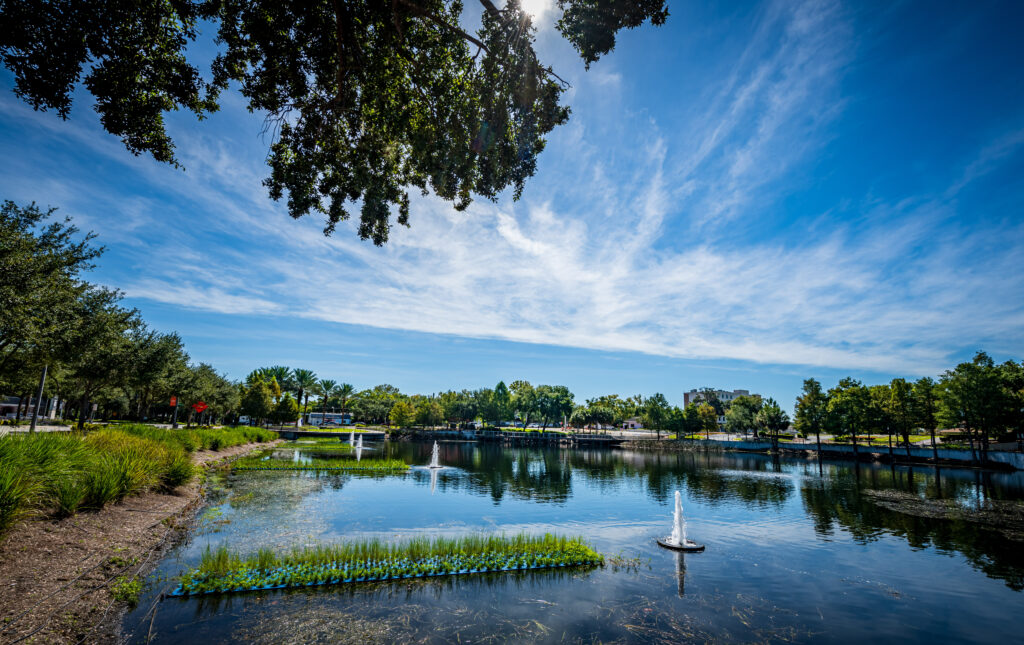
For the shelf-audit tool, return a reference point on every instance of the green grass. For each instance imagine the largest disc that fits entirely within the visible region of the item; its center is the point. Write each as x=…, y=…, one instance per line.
x=61, y=473
x=126, y=590
x=224, y=570
x=201, y=438
x=262, y=463
x=328, y=445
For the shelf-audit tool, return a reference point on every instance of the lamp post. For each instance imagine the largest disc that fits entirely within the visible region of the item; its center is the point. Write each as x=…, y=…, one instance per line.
x=39, y=398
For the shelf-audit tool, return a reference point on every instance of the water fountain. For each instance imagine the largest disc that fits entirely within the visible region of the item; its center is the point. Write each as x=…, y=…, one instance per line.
x=352, y=438
x=435, y=458
x=678, y=541
x=359, y=449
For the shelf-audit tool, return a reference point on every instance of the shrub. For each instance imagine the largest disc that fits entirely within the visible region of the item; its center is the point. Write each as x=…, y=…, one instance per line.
x=15, y=495
x=69, y=471
x=68, y=495
x=178, y=471
x=101, y=483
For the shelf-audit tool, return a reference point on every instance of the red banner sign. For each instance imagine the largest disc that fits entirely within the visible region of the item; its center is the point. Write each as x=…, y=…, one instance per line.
x=199, y=406
x=174, y=401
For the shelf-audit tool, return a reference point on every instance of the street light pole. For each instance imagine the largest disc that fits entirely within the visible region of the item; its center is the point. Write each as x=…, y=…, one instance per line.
x=39, y=398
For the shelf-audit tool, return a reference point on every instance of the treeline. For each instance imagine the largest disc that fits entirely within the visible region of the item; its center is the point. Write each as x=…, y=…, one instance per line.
x=982, y=399
x=281, y=395
x=96, y=353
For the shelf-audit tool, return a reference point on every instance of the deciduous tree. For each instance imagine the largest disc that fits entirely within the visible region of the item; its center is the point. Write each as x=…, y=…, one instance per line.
x=811, y=411
x=368, y=100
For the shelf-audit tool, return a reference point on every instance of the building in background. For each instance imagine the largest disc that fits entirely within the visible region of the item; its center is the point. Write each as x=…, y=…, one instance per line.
x=335, y=418
x=725, y=396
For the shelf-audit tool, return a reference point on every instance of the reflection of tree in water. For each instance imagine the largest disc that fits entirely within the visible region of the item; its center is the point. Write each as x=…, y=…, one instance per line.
x=546, y=475
x=712, y=477
x=847, y=499
x=540, y=475
x=832, y=500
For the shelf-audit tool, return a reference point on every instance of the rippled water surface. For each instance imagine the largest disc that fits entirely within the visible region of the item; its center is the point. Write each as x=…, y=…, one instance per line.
x=792, y=554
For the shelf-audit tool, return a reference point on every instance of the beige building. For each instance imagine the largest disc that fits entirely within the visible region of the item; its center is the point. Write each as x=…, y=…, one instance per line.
x=725, y=396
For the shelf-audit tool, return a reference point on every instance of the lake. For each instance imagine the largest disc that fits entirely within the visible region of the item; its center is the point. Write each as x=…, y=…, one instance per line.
x=793, y=554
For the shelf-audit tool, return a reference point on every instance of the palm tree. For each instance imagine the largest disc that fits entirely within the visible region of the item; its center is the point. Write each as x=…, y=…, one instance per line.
x=328, y=388
x=304, y=380
x=345, y=393
x=281, y=374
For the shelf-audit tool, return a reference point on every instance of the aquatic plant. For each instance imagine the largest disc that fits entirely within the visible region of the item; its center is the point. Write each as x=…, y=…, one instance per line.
x=223, y=570
x=265, y=463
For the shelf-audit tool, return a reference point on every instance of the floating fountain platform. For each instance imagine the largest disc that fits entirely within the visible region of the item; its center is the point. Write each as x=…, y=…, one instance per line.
x=688, y=547
x=435, y=459
x=678, y=540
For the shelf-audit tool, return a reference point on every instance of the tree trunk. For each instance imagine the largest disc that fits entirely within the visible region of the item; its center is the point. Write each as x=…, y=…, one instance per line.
x=856, y=451
x=81, y=410
x=817, y=436
x=889, y=434
x=970, y=439
x=935, y=448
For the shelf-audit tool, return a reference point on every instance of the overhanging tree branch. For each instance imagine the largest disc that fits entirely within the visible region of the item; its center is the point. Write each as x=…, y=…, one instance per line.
x=437, y=21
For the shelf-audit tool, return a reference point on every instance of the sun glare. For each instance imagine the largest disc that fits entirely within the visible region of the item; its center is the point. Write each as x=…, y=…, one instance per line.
x=536, y=8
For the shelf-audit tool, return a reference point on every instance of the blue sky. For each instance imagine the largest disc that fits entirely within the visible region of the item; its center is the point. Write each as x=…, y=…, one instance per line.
x=750, y=195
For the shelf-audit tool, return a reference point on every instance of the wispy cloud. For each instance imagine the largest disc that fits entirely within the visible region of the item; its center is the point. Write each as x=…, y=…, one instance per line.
x=768, y=113
x=621, y=247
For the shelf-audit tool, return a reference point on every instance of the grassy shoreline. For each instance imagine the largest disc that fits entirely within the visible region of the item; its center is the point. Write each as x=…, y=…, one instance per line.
x=59, y=474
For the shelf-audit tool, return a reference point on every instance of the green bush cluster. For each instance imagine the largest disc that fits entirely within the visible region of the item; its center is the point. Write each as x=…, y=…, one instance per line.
x=62, y=473
x=222, y=570
x=193, y=439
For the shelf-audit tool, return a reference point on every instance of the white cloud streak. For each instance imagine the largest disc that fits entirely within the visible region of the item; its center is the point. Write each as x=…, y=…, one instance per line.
x=598, y=261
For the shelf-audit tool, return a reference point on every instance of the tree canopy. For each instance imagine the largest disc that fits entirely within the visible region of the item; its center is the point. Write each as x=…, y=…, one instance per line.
x=367, y=100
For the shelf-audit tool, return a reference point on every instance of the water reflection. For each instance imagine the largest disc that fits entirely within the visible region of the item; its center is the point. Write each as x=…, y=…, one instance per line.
x=833, y=498
x=680, y=573
x=785, y=537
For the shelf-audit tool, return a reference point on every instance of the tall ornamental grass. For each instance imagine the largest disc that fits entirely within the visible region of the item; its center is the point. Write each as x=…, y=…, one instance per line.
x=60, y=473
x=201, y=438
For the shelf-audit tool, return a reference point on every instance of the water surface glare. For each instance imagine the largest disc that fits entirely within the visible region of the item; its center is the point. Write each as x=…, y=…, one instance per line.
x=792, y=555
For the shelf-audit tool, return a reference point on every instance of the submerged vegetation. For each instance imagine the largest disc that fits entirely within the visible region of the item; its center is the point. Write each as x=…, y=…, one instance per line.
x=315, y=463
x=222, y=570
x=62, y=473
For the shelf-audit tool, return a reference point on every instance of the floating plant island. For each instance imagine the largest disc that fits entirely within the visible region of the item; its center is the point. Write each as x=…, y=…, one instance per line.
x=224, y=571
x=377, y=465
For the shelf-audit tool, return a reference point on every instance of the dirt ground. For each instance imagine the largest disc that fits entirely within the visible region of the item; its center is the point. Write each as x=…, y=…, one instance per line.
x=58, y=577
